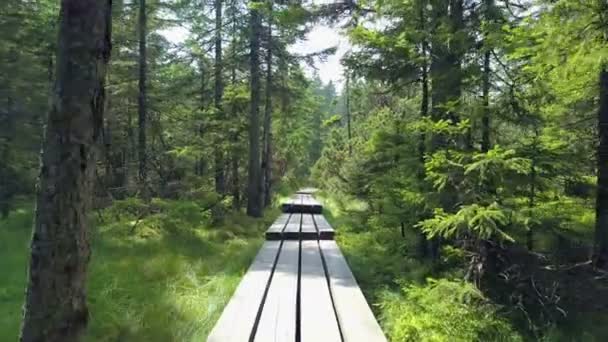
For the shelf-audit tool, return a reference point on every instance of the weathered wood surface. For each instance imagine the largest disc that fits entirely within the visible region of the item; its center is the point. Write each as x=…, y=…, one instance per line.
x=355, y=317
x=278, y=320
x=306, y=191
x=298, y=289
x=326, y=231
x=238, y=318
x=302, y=203
x=308, y=231
x=317, y=317
x=292, y=229
x=275, y=231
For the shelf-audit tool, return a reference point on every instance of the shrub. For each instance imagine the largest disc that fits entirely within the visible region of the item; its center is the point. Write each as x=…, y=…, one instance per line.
x=443, y=310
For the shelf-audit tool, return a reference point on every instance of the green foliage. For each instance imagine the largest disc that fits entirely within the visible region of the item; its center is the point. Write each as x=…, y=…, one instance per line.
x=15, y=233
x=483, y=222
x=167, y=281
x=443, y=310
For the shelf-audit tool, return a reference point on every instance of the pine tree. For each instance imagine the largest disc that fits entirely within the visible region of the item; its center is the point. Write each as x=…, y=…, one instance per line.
x=254, y=190
x=55, y=308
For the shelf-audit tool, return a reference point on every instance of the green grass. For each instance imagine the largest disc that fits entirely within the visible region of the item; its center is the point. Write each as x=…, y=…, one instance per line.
x=14, y=253
x=167, y=281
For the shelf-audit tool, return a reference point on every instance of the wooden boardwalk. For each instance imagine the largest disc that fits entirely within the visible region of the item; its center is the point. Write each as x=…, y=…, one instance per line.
x=299, y=288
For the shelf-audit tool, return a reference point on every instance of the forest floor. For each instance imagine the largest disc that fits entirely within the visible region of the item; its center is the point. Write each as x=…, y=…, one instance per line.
x=166, y=280
x=415, y=299
x=167, y=275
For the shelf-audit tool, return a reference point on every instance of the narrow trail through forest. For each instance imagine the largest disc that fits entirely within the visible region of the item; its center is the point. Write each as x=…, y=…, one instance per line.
x=460, y=149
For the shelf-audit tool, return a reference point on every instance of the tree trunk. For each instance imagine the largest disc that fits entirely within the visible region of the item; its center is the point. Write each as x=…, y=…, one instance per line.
x=220, y=186
x=424, y=103
x=446, y=84
x=532, y=194
x=350, y=145
x=267, y=154
x=142, y=98
x=487, y=70
x=55, y=306
x=236, y=187
x=485, y=120
x=423, y=243
x=254, y=200
x=601, y=206
x=200, y=163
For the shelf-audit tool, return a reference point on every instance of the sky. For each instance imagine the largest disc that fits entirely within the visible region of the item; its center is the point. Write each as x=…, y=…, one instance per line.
x=319, y=38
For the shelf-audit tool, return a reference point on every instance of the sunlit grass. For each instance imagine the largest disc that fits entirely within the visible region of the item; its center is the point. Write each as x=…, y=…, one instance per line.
x=14, y=240
x=167, y=281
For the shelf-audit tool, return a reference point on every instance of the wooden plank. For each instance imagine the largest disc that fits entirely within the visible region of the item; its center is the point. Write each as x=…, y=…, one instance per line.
x=289, y=207
x=292, y=230
x=302, y=203
x=278, y=320
x=317, y=318
x=308, y=230
x=355, y=317
x=238, y=318
x=326, y=231
x=306, y=191
x=275, y=231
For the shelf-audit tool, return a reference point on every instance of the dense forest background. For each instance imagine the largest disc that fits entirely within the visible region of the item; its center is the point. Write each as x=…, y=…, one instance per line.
x=463, y=163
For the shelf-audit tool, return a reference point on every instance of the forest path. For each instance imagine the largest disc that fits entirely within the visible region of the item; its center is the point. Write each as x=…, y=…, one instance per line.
x=299, y=286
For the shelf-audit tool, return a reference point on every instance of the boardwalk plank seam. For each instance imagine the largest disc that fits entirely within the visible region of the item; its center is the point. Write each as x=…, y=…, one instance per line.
x=261, y=308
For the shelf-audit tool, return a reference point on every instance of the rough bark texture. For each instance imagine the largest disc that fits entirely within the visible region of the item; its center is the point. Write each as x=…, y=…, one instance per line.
x=424, y=103
x=142, y=98
x=348, y=129
x=254, y=199
x=236, y=186
x=220, y=186
x=55, y=307
x=201, y=162
x=487, y=70
x=423, y=244
x=267, y=154
x=601, y=206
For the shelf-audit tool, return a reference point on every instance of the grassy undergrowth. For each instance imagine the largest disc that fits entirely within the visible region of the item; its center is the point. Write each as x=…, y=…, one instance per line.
x=415, y=300
x=412, y=300
x=164, y=277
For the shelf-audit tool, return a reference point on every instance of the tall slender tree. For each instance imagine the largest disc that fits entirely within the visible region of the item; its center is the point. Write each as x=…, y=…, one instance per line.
x=487, y=70
x=142, y=96
x=267, y=153
x=347, y=109
x=220, y=186
x=55, y=306
x=601, y=206
x=254, y=200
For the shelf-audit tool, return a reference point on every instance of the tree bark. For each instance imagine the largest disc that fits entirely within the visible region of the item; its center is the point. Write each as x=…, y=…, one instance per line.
x=200, y=163
x=55, y=306
x=423, y=243
x=487, y=70
x=220, y=186
x=601, y=206
x=267, y=154
x=424, y=103
x=348, y=128
x=142, y=98
x=254, y=200
x=236, y=186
